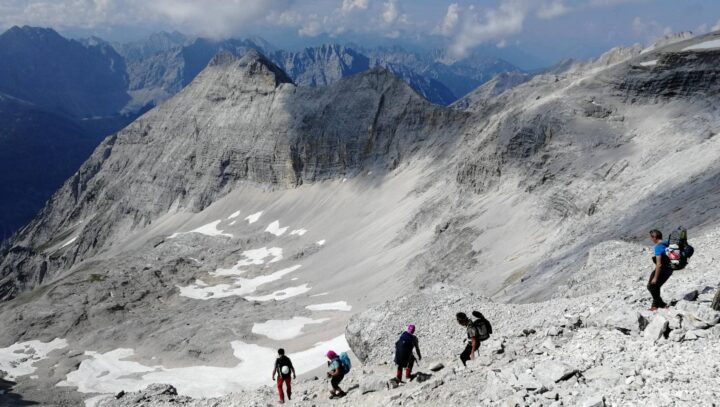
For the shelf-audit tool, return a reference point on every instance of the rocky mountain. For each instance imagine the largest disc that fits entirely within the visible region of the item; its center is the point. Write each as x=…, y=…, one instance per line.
x=248, y=213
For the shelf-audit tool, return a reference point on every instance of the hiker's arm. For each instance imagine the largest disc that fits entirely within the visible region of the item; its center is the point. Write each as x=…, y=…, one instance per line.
x=417, y=349
x=336, y=372
x=274, y=372
x=474, y=347
x=293, y=371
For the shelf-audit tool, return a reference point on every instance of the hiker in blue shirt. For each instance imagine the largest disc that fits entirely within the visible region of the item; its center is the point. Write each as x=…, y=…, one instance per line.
x=662, y=271
x=336, y=374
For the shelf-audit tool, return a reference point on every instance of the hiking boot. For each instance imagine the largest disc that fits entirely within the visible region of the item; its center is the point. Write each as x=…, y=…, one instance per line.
x=653, y=308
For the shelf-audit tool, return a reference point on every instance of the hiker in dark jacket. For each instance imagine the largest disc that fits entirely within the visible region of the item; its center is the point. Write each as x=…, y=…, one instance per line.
x=473, y=338
x=404, y=357
x=283, y=368
x=662, y=271
x=336, y=374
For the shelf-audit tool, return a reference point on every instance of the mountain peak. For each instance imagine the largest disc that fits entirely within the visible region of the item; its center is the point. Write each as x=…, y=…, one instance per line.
x=253, y=62
x=32, y=33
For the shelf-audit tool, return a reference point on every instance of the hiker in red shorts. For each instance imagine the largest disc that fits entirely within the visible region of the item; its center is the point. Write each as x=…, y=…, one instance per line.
x=283, y=368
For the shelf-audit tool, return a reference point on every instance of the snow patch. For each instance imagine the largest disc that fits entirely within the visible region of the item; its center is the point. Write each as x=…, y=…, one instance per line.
x=234, y=215
x=703, y=45
x=280, y=295
x=251, y=257
x=210, y=229
x=275, y=228
x=241, y=286
x=109, y=373
x=298, y=232
x=321, y=242
x=649, y=63
x=69, y=242
x=284, y=329
x=320, y=295
x=254, y=217
x=331, y=306
x=18, y=359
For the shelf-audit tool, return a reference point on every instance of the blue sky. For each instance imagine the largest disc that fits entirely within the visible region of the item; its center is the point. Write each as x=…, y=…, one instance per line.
x=549, y=29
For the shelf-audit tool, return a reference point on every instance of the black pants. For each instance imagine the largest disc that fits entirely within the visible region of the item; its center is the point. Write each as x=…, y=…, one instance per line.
x=655, y=288
x=335, y=382
x=465, y=355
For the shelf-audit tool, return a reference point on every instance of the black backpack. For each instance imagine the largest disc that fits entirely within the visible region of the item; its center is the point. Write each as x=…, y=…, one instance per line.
x=403, y=348
x=482, y=326
x=678, y=250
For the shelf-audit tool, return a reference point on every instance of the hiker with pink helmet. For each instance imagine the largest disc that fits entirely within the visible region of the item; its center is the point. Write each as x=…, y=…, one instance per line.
x=404, y=357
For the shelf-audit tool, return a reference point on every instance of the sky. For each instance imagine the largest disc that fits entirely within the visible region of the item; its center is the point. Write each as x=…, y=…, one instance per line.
x=549, y=30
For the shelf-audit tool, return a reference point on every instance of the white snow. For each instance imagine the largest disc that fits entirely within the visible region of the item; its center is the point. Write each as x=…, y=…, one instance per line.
x=284, y=329
x=331, y=306
x=704, y=45
x=108, y=373
x=233, y=222
x=18, y=359
x=251, y=257
x=320, y=295
x=210, y=230
x=254, y=217
x=241, y=286
x=649, y=63
x=275, y=228
x=69, y=242
x=280, y=295
x=298, y=232
x=234, y=215
x=321, y=242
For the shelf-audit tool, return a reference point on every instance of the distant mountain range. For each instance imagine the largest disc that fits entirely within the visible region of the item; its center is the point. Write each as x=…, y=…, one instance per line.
x=60, y=97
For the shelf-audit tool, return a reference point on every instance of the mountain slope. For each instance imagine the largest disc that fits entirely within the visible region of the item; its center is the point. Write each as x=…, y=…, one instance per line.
x=246, y=202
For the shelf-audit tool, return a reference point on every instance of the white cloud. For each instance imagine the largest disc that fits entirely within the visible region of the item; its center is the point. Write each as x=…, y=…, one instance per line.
x=649, y=30
x=495, y=23
x=552, y=10
x=390, y=12
x=312, y=27
x=208, y=17
x=349, y=5
x=716, y=27
x=450, y=21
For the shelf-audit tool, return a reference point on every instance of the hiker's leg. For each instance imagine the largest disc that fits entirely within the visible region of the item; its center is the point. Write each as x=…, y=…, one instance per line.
x=654, y=291
x=288, y=387
x=398, y=374
x=279, y=387
x=664, y=276
x=465, y=355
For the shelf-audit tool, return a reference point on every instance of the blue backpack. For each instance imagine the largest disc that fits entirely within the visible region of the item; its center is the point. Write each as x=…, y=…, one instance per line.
x=346, y=364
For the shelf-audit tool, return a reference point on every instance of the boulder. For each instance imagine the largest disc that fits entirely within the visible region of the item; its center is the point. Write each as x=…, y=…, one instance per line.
x=369, y=384
x=594, y=401
x=550, y=372
x=527, y=381
x=656, y=329
x=496, y=387
x=625, y=321
x=609, y=376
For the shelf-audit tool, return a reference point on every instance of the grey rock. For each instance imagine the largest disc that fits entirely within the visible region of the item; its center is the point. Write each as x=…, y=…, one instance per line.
x=371, y=383
x=595, y=401
x=550, y=372
x=656, y=329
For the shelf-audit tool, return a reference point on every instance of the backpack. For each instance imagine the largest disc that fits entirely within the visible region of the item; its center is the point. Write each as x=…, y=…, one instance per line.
x=403, y=348
x=345, y=362
x=678, y=250
x=482, y=326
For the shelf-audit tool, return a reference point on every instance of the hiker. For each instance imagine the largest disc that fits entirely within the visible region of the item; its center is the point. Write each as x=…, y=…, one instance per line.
x=404, y=357
x=283, y=368
x=472, y=335
x=336, y=374
x=662, y=271
x=477, y=331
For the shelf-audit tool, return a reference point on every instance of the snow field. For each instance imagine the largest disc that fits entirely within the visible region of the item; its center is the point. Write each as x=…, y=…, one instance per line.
x=280, y=330
x=18, y=359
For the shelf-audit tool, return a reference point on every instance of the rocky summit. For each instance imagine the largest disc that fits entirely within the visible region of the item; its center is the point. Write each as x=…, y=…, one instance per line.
x=249, y=213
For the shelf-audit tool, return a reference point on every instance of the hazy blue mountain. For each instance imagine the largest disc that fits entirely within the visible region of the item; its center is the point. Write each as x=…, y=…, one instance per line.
x=40, y=66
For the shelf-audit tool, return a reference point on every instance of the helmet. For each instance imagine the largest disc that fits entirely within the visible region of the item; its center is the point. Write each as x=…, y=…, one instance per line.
x=285, y=370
